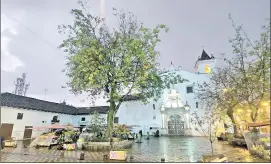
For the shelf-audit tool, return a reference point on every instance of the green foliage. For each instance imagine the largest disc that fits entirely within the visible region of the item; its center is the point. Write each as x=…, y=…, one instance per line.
x=229, y=136
x=97, y=123
x=260, y=151
x=265, y=139
x=250, y=68
x=121, y=129
x=99, y=139
x=108, y=62
x=244, y=82
x=113, y=63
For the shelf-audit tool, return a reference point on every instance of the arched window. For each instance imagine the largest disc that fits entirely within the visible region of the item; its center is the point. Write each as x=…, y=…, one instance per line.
x=197, y=105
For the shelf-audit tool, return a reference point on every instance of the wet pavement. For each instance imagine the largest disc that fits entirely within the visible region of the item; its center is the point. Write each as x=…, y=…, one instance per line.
x=173, y=149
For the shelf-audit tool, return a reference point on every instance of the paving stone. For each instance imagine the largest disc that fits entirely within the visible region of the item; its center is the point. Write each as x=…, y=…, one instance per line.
x=170, y=148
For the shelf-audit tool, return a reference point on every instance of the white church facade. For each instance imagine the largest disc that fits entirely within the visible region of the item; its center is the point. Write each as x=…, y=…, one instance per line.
x=170, y=114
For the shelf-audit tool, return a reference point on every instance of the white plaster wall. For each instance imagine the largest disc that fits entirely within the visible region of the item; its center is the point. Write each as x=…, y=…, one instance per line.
x=35, y=118
x=31, y=118
x=136, y=113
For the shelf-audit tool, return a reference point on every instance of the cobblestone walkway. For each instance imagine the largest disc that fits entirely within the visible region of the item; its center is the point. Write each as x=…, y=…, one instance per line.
x=173, y=149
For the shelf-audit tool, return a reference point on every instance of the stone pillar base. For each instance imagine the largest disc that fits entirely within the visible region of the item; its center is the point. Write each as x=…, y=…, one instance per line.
x=188, y=132
x=164, y=131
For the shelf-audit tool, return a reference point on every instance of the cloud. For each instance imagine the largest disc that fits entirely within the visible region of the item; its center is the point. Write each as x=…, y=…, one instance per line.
x=9, y=62
x=29, y=37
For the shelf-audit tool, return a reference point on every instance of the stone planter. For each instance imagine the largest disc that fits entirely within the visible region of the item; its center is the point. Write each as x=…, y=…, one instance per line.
x=126, y=144
x=97, y=146
x=105, y=146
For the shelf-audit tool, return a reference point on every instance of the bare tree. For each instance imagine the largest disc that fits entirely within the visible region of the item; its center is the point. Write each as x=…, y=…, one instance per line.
x=220, y=92
x=244, y=81
x=207, y=125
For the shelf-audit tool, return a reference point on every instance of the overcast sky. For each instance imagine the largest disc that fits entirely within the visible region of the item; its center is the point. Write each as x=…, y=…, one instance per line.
x=29, y=36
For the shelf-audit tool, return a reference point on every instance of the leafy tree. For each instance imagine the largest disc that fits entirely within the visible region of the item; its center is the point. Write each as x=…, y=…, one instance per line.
x=113, y=63
x=250, y=68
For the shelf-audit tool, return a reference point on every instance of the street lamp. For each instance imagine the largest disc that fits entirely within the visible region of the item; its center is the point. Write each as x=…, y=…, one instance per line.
x=186, y=106
x=265, y=104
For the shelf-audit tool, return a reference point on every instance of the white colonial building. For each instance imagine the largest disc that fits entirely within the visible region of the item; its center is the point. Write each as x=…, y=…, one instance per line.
x=170, y=114
x=25, y=112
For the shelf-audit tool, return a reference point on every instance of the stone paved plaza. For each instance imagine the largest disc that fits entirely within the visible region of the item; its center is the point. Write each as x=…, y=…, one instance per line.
x=173, y=149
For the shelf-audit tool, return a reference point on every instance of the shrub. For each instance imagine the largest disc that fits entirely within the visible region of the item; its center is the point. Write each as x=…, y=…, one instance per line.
x=265, y=139
x=260, y=151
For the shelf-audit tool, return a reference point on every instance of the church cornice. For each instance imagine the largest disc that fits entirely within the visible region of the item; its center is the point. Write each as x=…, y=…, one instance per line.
x=171, y=68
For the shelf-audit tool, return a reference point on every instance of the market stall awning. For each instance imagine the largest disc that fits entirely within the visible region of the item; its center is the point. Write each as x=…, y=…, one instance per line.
x=258, y=124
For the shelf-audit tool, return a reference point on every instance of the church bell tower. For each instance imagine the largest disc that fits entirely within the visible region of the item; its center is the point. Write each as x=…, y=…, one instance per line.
x=205, y=64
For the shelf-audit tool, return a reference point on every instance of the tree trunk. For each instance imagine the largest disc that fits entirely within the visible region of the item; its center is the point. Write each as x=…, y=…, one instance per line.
x=230, y=114
x=110, y=119
x=254, y=115
x=212, y=148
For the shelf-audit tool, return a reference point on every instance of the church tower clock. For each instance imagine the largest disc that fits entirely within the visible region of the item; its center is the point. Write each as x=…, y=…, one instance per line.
x=205, y=64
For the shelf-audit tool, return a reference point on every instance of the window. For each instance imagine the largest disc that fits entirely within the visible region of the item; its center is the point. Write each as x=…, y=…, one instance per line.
x=116, y=120
x=197, y=105
x=154, y=117
x=153, y=105
x=189, y=89
x=20, y=116
x=55, y=120
x=83, y=119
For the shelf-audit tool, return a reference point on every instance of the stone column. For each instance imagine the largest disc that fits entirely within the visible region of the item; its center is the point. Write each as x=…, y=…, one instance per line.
x=188, y=121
